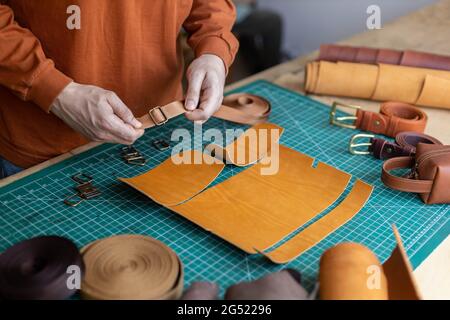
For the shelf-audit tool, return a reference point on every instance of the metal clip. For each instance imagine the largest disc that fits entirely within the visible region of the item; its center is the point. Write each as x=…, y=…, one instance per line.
x=152, y=116
x=82, y=178
x=85, y=190
x=354, y=144
x=343, y=121
x=132, y=156
x=161, y=145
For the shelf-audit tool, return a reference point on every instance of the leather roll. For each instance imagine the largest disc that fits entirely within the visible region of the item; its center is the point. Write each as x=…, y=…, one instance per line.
x=382, y=82
x=131, y=267
x=37, y=269
x=334, y=53
x=343, y=274
x=404, y=146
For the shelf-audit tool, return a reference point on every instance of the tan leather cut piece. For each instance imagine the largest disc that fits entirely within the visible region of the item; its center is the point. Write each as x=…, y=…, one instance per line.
x=251, y=210
x=131, y=267
x=351, y=271
x=383, y=82
x=170, y=184
x=249, y=147
x=319, y=230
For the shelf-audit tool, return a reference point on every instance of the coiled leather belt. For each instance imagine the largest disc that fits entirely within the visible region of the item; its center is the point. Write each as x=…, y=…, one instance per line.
x=393, y=118
x=38, y=269
x=404, y=145
x=131, y=267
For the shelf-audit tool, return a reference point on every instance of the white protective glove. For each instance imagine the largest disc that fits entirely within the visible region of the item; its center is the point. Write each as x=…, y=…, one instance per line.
x=97, y=114
x=206, y=76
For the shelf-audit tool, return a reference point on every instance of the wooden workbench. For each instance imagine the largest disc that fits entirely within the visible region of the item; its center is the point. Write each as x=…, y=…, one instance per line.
x=426, y=30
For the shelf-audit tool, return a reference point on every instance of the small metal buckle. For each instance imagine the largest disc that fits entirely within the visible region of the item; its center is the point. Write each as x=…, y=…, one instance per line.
x=161, y=145
x=82, y=178
x=342, y=121
x=354, y=144
x=154, y=118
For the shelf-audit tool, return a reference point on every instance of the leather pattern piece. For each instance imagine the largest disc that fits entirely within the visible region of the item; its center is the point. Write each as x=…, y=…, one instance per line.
x=319, y=230
x=249, y=147
x=131, y=267
x=170, y=184
x=382, y=82
x=334, y=53
x=351, y=271
x=190, y=179
x=254, y=212
x=250, y=210
x=36, y=269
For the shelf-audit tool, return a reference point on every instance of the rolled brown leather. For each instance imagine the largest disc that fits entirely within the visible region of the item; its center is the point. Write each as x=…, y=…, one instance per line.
x=240, y=108
x=393, y=118
x=382, y=82
x=38, y=269
x=404, y=146
x=131, y=267
x=334, y=53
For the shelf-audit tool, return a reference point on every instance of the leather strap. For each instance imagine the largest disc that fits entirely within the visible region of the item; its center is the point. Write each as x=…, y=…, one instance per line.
x=36, y=269
x=404, y=145
x=131, y=267
x=393, y=118
x=240, y=108
x=401, y=183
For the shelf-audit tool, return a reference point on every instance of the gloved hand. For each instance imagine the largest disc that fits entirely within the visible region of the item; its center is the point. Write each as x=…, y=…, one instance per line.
x=97, y=114
x=206, y=76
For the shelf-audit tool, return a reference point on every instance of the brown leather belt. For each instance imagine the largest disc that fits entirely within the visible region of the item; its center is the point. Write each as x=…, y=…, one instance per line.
x=240, y=108
x=404, y=145
x=393, y=118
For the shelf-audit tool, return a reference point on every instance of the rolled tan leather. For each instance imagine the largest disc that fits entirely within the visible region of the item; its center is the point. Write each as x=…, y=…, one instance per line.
x=131, y=267
x=351, y=271
x=344, y=274
x=382, y=82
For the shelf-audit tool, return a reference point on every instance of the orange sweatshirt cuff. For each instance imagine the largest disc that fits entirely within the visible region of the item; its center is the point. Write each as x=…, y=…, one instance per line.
x=47, y=86
x=218, y=46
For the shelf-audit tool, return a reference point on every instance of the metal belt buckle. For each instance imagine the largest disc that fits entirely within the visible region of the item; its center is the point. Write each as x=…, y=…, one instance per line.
x=151, y=113
x=85, y=190
x=355, y=144
x=133, y=157
x=161, y=145
x=343, y=121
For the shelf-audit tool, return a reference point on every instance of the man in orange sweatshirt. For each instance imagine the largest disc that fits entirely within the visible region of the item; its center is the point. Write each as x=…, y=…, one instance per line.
x=74, y=71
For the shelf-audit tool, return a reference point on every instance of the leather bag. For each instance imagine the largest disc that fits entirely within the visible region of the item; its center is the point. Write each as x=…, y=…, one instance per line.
x=430, y=173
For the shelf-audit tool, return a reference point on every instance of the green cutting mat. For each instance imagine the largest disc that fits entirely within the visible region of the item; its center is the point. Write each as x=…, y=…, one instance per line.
x=34, y=206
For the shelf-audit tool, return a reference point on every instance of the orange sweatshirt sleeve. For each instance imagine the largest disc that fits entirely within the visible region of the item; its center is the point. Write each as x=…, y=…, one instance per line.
x=209, y=26
x=24, y=68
